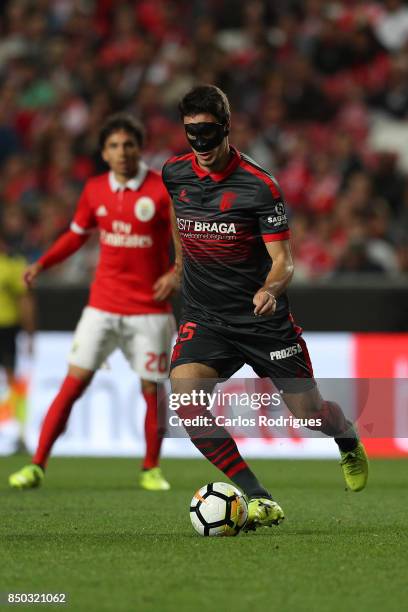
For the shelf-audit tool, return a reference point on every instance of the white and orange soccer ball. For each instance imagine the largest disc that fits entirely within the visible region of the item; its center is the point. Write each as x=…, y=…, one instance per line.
x=218, y=509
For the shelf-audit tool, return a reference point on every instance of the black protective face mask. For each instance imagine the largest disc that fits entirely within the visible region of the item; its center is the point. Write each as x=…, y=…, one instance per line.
x=205, y=136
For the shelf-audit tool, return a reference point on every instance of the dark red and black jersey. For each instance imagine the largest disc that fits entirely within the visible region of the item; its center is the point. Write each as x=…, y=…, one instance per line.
x=224, y=219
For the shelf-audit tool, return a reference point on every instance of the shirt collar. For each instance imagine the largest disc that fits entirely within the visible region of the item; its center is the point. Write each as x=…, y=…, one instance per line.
x=133, y=184
x=218, y=176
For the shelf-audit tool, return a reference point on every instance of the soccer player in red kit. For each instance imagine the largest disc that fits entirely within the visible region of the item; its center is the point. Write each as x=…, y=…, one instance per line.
x=236, y=261
x=128, y=306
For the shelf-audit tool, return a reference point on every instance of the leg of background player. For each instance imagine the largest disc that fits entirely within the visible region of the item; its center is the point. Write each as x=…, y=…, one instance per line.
x=17, y=401
x=153, y=436
x=58, y=413
x=220, y=449
x=151, y=477
x=53, y=425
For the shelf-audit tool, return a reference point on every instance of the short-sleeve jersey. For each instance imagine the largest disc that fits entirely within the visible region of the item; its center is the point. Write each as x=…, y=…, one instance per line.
x=11, y=289
x=224, y=220
x=134, y=234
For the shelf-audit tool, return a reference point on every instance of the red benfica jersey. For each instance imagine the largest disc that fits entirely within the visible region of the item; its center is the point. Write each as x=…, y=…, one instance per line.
x=134, y=233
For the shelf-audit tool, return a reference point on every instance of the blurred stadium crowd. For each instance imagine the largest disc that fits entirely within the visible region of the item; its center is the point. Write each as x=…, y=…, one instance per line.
x=319, y=92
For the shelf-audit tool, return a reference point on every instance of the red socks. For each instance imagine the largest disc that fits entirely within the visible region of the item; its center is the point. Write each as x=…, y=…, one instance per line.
x=153, y=435
x=60, y=409
x=57, y=417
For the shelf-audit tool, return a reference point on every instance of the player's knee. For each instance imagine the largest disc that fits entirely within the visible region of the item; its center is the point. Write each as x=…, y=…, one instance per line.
x=148, y=386
x=81, y=374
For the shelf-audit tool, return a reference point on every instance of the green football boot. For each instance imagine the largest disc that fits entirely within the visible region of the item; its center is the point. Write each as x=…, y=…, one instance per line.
x=153, y=480
x=263, y=512
x=29, y=477
x=355, y=468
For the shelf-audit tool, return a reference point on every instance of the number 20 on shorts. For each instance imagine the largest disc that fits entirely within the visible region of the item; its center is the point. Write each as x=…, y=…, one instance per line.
x=156, y=363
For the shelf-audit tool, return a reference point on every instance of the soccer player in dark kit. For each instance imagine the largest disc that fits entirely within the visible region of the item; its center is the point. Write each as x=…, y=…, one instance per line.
x=235, y=261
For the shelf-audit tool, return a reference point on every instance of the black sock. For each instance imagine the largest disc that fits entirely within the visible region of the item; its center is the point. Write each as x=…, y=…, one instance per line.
x=224, y=455
x=248, y=482
x=349, y=440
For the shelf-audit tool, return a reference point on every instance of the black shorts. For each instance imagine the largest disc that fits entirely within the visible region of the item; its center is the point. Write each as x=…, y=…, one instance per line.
x=281, y=356
x=8, y=336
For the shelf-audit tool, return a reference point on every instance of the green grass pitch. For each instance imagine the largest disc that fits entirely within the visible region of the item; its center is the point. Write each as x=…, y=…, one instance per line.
x=89, y=532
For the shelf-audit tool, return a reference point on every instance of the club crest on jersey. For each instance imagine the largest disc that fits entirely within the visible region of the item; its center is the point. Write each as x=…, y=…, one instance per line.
x=144, y=208
x=227, y=200
x=101, y=211
x=182, y=196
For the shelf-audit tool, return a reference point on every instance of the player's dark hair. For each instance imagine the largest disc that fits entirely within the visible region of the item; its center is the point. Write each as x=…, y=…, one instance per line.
x=206, y=99
x=118, y=122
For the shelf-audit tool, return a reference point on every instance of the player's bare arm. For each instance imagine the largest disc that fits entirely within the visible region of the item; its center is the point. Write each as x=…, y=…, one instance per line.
x=278, y=278
x=164, y=286
x=31, y=273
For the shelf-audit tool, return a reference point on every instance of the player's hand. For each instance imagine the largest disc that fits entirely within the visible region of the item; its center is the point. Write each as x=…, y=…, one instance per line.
x=164, y=286
x=264, y=302
x=31, y=273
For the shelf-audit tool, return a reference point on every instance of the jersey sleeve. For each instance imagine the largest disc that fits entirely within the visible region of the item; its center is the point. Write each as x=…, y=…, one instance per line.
x=84, y=220
x=271, y=213
x=165, y=206
x=63, y=247
x=166, y=178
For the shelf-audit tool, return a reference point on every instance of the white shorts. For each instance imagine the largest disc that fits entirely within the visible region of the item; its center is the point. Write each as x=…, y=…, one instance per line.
x=145, y=341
